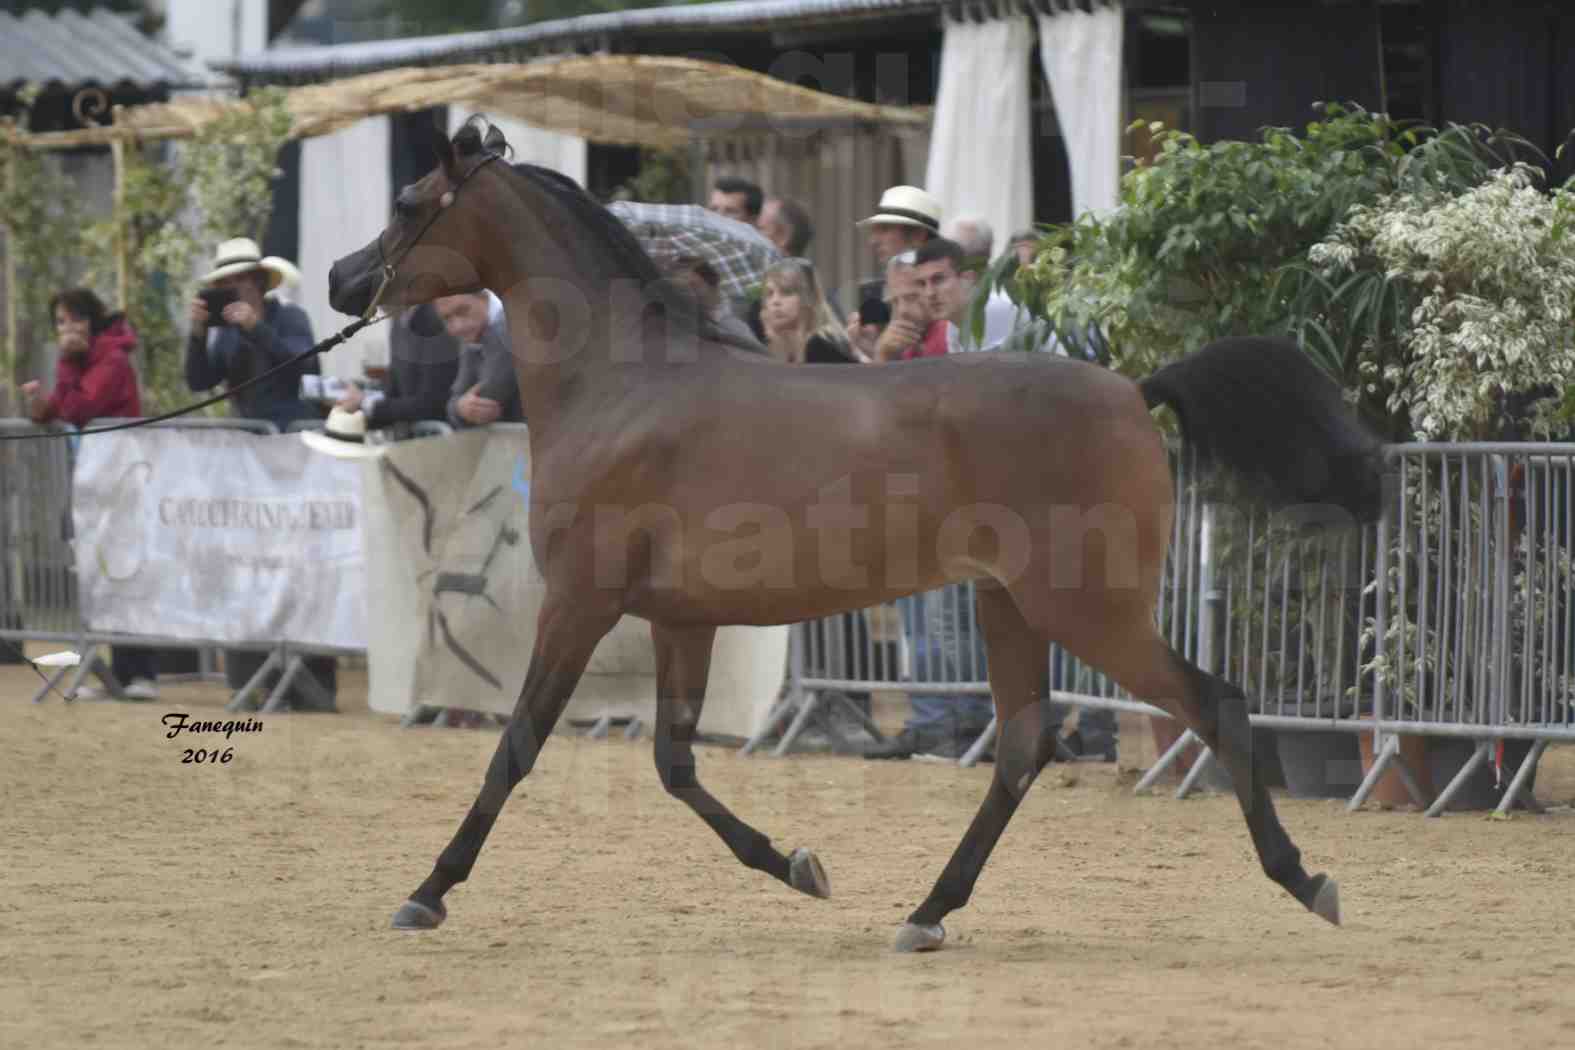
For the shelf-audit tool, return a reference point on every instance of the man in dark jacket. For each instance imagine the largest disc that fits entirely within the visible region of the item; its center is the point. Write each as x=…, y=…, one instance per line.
x=423, y=362
x=485, y=388
x=249, y=336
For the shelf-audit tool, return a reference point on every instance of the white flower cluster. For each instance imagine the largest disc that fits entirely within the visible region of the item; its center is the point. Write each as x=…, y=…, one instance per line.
x=1492, y=273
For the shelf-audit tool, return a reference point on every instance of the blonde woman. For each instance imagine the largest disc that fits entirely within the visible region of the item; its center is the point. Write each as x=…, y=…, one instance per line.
x=799, y=325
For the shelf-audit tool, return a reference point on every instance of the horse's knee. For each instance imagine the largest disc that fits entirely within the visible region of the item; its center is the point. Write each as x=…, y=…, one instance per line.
x=1211, y=703
x=1024, y=746
x=675, y=766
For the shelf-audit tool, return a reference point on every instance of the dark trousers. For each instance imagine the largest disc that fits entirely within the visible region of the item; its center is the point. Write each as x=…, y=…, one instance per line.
x=240, y=665
x=130, y=662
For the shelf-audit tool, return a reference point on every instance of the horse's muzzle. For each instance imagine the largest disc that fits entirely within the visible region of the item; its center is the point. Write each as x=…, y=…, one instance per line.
x=349, y=293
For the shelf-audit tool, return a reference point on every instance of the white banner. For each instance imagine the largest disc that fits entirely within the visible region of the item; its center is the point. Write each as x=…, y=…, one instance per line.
x=455, y=593
x=219, y=535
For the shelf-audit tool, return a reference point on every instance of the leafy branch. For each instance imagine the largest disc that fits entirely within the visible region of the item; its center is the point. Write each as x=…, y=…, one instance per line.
x=43, y=235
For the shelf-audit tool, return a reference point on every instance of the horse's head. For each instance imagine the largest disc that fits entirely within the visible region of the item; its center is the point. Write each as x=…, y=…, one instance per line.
x=430, y=248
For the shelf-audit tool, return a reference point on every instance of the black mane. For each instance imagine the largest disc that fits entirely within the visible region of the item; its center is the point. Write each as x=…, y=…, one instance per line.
x=586, y=213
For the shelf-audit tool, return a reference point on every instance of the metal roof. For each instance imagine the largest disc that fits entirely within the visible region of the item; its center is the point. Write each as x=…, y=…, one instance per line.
x=511, y=44
x=100, y=47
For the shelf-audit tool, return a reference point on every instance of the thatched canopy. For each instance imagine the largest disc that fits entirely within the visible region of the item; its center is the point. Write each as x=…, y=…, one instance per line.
x=614, y=99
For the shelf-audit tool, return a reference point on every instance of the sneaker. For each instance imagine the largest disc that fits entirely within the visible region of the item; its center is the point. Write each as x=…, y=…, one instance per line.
x=88, y=692
x=838, y=723
x=953, y=748
x=142, y=689
x=1100, y=749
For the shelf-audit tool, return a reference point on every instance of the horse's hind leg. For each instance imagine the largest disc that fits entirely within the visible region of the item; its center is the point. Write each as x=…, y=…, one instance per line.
x=1216, y=710
x=683, y=663
x=565, y=640
x=1019, y=677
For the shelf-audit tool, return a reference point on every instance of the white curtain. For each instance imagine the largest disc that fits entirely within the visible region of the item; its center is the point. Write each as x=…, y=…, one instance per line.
x=562, y=153
x=980, y=164
x=345, y=202
x=1081, y=53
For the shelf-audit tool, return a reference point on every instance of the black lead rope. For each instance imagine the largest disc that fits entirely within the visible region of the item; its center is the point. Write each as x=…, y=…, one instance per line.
x=327, y=344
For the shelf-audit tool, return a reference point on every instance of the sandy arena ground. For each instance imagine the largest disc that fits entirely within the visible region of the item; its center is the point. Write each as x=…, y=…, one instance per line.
x=150, y=903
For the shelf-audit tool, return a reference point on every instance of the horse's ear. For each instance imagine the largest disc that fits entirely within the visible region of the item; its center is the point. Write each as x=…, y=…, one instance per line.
x=442, y=149
x=495, y=142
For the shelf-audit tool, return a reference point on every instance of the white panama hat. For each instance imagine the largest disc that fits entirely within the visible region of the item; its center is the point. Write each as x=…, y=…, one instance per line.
x=287, y=271
x=241, y=255
x=344, y=436
x=907, y=206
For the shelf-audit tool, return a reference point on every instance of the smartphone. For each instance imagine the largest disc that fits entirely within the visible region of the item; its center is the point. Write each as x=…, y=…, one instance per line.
x=875, y=311
x=216, y=299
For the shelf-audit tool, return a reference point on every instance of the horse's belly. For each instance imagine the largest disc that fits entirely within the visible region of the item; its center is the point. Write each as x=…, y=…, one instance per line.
x=769, y=572
x=752, y=607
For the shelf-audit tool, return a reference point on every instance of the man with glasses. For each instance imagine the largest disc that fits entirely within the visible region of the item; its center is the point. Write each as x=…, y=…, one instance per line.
x=905, y=219
x=898, y=326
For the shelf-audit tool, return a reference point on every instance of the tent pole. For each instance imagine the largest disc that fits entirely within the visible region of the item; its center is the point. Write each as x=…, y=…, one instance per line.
x=11, y=296
x=697, y=175
x=117, y=150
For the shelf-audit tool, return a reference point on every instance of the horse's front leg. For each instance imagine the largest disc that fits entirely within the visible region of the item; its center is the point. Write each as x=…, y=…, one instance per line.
x=683, y=663
x=566, y=637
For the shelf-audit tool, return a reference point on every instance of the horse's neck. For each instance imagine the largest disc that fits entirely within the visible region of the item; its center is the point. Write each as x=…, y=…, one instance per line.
x=608, y=339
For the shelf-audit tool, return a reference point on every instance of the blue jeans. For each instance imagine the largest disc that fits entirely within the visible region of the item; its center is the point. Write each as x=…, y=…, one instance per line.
x=947, y=647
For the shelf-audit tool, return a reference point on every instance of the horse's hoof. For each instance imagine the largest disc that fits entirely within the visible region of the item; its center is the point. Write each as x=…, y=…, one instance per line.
x=916, y=938
x=413, y=915
x=806, y=875
x=1326, y=905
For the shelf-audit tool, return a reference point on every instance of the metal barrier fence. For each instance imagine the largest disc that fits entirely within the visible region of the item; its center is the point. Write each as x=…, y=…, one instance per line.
x=1452, y=616
x=1474, y=630
x=41, y=472
x=39, y=600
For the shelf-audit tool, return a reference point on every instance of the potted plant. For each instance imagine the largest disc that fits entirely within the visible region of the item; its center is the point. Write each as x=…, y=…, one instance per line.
x=1316, y=236
x=1468, y=301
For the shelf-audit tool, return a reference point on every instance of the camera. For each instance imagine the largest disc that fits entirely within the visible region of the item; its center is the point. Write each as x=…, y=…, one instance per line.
x=875, y=311
x=216, y=299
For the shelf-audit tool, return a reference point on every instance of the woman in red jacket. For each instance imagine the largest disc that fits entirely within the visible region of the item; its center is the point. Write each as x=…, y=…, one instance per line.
x=94, y=378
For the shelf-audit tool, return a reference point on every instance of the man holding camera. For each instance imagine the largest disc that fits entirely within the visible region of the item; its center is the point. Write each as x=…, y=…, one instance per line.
x=237, y=334
x=906, y=219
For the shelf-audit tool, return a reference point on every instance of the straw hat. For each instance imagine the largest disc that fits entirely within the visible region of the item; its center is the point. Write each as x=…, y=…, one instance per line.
x=344, y=436
x=907, y=206
x=288, y=274
x=241, y=255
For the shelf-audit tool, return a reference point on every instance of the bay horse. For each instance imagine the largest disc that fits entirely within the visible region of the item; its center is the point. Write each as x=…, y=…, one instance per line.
x=693, y=484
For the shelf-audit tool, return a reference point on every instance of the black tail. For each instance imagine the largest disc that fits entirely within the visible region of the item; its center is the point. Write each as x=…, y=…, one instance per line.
x=1261, y=409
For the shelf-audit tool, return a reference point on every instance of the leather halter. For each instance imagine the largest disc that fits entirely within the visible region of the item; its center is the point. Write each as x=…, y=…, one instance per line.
x=390, y=269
